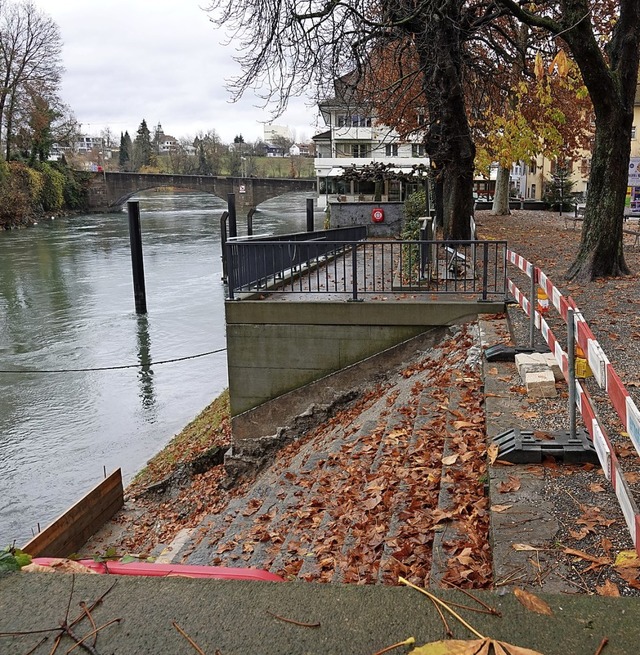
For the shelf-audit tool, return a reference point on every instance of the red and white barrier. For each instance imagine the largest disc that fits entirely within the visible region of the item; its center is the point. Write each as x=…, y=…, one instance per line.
x=605, y=376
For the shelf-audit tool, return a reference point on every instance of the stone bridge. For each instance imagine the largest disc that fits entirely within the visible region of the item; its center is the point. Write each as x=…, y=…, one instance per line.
x=112, y=190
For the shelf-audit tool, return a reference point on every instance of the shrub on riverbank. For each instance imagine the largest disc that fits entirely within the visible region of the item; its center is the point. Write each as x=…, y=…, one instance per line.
x=27, y=193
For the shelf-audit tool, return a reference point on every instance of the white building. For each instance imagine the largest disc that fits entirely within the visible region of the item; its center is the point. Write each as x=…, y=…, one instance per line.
x=274, y=132
x=355, y=137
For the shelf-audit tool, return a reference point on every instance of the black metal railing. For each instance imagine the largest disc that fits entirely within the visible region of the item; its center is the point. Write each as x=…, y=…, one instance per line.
x=324, y=265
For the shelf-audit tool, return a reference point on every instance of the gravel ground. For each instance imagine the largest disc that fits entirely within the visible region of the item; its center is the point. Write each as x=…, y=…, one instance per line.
x=586, y=505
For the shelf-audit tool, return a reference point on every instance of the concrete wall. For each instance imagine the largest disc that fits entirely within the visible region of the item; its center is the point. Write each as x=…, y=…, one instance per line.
x=347, y=214
x=275, y=347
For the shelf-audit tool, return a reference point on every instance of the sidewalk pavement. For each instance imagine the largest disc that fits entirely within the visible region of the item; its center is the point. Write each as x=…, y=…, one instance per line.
x=237, y=618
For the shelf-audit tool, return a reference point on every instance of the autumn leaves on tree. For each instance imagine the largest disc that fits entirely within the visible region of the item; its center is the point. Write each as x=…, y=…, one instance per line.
x=466, y=76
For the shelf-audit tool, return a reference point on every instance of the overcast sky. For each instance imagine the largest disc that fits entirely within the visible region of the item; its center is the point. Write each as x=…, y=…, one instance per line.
x=161, y=60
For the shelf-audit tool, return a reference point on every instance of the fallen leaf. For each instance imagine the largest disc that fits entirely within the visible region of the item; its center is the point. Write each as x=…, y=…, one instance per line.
x=512, y=483
x=372, y=503
x=600, y=561
x=59, y=565
x=596, y=488
x=37, y=568
x=450, y=459
x=608, y=589
x=493, y=371
x=492, y=453
x=500, y=508
x=532, y=602
x=524, y=547
x=627, y=559
x=472, y=647
x=458, y=425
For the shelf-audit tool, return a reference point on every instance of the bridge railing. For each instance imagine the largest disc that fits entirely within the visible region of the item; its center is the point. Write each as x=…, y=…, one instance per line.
x=320, y=264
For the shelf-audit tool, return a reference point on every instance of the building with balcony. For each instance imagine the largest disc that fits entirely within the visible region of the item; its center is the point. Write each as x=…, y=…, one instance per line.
x=354, y=137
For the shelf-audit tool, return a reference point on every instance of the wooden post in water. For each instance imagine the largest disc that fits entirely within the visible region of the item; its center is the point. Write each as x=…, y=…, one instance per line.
x=310, y=214
x=231, y=208
x=137, y=262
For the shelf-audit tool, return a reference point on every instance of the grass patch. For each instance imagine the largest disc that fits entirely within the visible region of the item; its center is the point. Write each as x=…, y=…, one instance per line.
x=211, y=428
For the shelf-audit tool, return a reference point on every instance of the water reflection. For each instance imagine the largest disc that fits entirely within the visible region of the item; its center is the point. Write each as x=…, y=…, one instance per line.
x=145, y=372
x=66, y=303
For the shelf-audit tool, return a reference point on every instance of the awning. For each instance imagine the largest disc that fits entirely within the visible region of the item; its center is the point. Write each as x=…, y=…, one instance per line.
x=335, y=172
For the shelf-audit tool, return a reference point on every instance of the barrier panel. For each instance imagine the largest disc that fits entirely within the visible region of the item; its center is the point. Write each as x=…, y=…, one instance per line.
x=603, y=373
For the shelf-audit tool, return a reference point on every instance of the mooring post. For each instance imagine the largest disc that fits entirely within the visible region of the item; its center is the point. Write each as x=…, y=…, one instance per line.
x=137, y=262
x=310, y=203
x=571, y=372
x=231, y=208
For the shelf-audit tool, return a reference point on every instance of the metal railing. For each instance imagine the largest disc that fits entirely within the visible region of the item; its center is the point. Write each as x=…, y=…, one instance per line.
x=321, y=264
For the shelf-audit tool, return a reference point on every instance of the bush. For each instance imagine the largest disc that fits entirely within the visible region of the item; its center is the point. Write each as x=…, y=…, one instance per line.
x=75, y=186
x=53, y=183
x=414, y=208
x=20, y=188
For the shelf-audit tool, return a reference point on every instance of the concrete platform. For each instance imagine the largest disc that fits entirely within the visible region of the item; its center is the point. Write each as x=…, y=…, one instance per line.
x=236, y=618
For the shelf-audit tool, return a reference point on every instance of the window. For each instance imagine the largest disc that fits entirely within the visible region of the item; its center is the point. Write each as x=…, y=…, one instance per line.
x=360, y=150
x=417, y=150
x=391, y=150
x=533, y=167
x=345, y=120
x=633, y=132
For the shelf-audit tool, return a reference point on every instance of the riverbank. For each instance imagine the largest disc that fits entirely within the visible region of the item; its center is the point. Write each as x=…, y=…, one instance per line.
x=175, y=490
x=574, y=491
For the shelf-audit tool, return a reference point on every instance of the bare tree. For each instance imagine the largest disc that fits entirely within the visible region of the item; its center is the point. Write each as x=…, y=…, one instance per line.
x=608, y=62
x=290, y=46
x=30, y=50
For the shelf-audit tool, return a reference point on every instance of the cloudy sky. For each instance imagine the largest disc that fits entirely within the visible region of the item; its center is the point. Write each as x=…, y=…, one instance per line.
x=161, y=60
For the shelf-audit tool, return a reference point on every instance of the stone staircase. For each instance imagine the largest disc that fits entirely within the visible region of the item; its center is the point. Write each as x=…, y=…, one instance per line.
x=357, y=499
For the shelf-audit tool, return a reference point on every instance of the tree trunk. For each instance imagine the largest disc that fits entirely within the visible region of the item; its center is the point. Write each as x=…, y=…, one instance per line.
x=501, y=197
x=458, y=199
x=601, y=253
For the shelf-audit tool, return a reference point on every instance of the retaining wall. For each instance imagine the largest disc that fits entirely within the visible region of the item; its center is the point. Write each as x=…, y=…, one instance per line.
x=348, y=214
x=275, y=347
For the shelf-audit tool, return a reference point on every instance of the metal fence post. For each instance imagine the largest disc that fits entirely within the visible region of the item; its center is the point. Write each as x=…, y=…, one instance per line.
x=532, y=306
x=354, y=273
x=231, y=269
x=233, y=224
x=571, y=372
x=485, y=272
x=223, y=243
x=310, y=203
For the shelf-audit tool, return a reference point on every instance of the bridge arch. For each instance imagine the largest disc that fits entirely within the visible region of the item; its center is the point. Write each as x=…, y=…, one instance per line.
x=111, y=190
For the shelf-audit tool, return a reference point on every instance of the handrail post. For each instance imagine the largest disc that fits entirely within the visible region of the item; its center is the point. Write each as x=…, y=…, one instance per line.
x=485, y=272
x=532, y=305
x=252, y=211
x=223, y=243
x=231, y=206
x=310, y=226
x=230, y=278
x=354, y=273
x=571, y=372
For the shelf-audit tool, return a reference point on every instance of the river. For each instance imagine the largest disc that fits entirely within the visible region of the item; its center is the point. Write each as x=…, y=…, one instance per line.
x=66, y=303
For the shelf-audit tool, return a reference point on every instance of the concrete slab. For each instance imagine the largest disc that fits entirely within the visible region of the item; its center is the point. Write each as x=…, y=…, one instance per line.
x=541, y=384
x=235, y=618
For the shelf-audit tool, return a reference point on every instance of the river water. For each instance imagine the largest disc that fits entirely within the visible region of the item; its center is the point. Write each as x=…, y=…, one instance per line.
x=66, y=303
